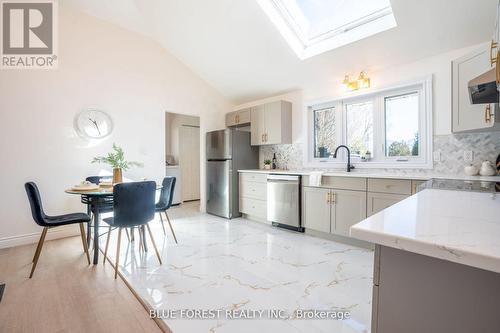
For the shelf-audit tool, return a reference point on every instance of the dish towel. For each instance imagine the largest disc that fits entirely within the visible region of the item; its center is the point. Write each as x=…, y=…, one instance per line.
x=315, y=178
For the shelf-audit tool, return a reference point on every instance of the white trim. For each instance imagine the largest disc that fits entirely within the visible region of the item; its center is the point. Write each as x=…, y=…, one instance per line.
x=426, y=128
x=287, y=17
x=56, y=233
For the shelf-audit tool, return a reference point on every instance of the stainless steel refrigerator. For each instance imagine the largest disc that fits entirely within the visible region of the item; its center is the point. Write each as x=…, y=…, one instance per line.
x=228, y=151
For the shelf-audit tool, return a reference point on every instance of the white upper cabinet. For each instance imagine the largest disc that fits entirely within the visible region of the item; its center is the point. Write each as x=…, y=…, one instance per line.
x=468, y=117
x=271, y=123
x=238, y=118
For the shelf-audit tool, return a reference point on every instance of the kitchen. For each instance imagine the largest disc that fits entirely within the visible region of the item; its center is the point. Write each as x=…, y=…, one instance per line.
x=320, y=166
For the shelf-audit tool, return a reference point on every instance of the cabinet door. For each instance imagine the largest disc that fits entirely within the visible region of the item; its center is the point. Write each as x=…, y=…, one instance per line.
x=243, y=116
x=257, y=127
x=231, y=118
x=467, y=116
x=380, y=201
x=316, y=208
x=349, y=209
x=273, y=123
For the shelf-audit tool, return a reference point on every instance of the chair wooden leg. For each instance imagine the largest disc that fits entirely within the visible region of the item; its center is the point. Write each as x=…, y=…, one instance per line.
x=84, y=242
x=118, y=252
x=38, y=245
x=141, y=245
x=162, y=225
x=153, y=242
x=37, y=254
x=107, y=245
x=171, y=229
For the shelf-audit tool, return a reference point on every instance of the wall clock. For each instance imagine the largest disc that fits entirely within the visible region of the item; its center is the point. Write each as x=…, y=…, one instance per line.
x=93, y=124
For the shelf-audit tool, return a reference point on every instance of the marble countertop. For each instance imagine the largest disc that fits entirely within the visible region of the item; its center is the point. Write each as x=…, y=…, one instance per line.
x=368, y=174
x=458, y=226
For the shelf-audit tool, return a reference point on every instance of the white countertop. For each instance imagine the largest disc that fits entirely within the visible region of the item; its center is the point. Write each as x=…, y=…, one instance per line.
x=368, y=174
x=458, y=226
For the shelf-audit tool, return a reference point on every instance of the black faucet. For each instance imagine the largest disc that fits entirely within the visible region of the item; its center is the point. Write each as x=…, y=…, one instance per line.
x=349, y=166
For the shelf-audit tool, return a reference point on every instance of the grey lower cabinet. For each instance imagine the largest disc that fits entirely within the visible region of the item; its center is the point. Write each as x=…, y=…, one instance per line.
x=332, y=210
x=413, y=293
x=380, y=201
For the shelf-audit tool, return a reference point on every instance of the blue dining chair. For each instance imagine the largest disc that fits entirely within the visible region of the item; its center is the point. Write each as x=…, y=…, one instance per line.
x=133, y=206
x=48, y=222
x=165, y=202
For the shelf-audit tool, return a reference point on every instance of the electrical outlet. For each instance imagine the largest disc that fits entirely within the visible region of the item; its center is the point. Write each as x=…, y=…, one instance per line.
x=468, y=156
x=437, y=156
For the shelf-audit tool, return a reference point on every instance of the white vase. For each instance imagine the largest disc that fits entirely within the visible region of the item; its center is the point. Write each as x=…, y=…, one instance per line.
x=267, y=166
x=471, y=170
x=487, y=169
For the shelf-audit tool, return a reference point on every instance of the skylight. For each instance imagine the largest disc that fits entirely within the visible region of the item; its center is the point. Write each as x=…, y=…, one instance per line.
x=312, y=27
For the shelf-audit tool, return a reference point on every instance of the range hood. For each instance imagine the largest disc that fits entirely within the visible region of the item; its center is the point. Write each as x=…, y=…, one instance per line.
x=484, y=88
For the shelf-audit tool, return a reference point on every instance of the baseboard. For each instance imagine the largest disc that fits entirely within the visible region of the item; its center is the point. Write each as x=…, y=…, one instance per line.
x=60, y=232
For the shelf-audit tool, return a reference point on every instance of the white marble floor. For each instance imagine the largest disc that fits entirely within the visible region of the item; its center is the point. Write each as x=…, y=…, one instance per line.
x=245, y=265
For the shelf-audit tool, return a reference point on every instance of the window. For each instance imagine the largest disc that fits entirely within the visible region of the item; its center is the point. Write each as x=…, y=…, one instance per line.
x=387, y=129
x=401, y=125
x=314, y=27
x=324, y=132
x=359, y=129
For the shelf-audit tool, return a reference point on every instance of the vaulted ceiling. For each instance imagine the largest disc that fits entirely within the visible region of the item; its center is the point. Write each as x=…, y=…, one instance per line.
x=233, y=45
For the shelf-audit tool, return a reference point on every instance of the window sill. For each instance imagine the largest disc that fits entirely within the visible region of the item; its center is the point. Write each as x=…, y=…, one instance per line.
x=369, y=165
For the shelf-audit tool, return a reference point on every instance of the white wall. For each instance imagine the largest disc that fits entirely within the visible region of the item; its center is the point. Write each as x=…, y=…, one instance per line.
x=439, y=66
x=124, y=73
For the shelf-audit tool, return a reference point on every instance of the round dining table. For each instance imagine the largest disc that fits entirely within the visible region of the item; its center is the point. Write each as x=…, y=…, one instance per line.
x=95, y=198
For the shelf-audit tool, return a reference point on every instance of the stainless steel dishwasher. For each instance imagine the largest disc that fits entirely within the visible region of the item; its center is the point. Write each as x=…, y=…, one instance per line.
x=283, y=201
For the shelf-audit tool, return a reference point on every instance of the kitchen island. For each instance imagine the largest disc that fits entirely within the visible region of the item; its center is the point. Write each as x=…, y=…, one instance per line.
x=437, y=263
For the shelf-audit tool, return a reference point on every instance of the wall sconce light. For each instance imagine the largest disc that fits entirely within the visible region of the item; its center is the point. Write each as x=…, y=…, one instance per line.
x=362, y=82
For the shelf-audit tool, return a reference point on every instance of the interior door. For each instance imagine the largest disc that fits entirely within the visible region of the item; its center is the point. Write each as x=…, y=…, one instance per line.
x=218, y=189
x=189, y=162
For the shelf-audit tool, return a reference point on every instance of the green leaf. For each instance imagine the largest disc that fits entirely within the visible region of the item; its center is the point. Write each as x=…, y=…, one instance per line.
x=116, y=159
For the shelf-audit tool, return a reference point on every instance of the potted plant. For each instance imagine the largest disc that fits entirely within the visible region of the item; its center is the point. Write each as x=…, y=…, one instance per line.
x=267, y=164
x=116, y=160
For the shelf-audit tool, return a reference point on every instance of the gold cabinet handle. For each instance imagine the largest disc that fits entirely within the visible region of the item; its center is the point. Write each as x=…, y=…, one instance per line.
x=487, y=113
x=493, y=46
x=327, y=197
x=237, y=118
x=332, y=200
x=263, y=138
x=497, y=61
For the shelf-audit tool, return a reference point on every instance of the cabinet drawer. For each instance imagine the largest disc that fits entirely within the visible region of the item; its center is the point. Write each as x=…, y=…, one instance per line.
x=253, y=207
x=394, y=186
x=253, y=177
x=254, y=190
x=343, y=183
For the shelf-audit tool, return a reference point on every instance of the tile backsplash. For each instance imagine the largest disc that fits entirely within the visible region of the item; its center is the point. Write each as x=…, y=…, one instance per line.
x=485, y=146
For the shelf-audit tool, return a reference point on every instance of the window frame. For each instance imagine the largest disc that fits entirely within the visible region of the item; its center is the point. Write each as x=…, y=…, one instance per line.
x=379, y=159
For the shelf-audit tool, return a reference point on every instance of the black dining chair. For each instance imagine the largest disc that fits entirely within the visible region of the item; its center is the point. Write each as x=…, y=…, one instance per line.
x=165, y=201
x=133, y=206
x=48, y=222
x=105, y=207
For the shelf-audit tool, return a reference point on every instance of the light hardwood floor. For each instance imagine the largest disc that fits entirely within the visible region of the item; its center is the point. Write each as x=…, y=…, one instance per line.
x=65, y=294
